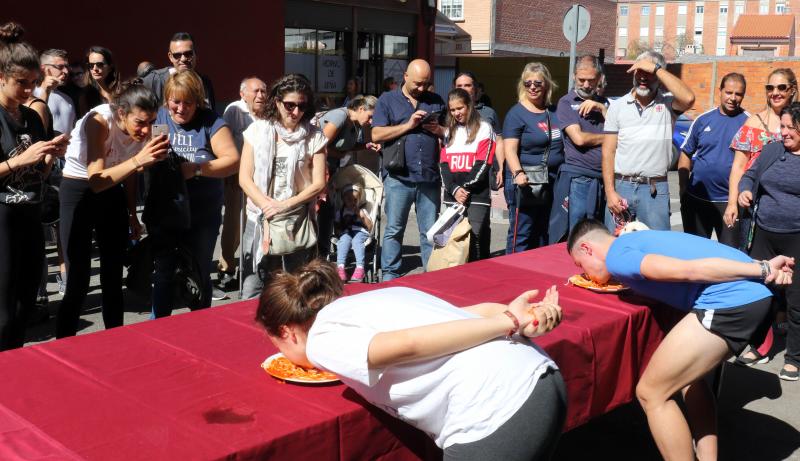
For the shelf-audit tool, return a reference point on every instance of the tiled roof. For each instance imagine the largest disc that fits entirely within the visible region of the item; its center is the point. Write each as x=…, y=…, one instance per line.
x=765, y=26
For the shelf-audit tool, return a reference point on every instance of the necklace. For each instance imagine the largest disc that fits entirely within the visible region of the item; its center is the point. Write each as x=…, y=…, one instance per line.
x=15, y=113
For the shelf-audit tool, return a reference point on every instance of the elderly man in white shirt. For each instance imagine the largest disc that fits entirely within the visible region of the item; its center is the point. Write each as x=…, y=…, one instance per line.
x=637, y=147
x=238, y=115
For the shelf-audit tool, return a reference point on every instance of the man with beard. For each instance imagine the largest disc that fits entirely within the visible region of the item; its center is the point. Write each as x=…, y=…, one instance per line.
x=55, y=69
x=183, y=55
x=578, y=192
x=238, y=115
x=637, y=147
x=407, y=119
x=707, y=155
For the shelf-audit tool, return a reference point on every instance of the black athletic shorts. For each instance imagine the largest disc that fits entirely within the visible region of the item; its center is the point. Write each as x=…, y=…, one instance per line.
x=738, y=326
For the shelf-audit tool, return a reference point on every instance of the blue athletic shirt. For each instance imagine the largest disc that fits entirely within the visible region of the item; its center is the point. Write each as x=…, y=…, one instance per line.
x=708, y=144
x=624, y=260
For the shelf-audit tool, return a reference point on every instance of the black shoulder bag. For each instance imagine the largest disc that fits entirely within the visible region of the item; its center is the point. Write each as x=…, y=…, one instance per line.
x=538, y=191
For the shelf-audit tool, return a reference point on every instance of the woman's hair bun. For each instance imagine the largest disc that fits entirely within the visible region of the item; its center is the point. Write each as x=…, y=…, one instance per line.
x=11, y=32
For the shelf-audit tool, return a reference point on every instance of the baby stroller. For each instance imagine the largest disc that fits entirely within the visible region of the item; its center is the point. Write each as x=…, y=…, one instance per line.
x=371, y=198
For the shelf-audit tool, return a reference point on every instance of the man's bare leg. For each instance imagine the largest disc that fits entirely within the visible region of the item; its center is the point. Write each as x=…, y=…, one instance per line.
x=701, y=412
x=685, y=355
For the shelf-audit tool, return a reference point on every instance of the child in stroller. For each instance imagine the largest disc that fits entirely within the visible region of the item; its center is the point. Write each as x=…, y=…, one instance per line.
x=353, y=227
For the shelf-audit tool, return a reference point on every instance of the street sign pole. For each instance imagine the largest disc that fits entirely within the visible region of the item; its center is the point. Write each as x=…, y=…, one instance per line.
x=575, y=27
x=573, y=47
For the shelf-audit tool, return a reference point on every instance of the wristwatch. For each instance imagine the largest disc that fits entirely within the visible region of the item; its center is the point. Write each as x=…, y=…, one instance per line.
x=655, y=69
x=198, y=170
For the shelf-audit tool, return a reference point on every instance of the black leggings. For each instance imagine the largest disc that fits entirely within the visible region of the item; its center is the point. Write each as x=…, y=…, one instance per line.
x=21, y=259
x=767, y=245
x=105, y=213
x=530, y=434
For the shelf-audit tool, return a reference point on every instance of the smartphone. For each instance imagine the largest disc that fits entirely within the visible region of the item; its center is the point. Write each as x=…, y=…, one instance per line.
x=159, y=129
x=431, y=117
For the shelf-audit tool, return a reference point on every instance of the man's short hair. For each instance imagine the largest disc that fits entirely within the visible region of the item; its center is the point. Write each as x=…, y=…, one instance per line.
x=182, y=37
x=653, y=56
x=584, y=226
x=467, y=74
x=243, y=85
x=588, y=60
x=52, y=53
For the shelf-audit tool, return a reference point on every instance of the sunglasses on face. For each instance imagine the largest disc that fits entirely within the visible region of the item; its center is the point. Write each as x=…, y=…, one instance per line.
x=291, y=106
x=57, y=66
x=189, y=55
x=533, y=83
x=99, y=64
x=782, y=88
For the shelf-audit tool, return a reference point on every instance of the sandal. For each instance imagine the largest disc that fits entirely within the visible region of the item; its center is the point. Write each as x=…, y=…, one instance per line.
x=746, y=361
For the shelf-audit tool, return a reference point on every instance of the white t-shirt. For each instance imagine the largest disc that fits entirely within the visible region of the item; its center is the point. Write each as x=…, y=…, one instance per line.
x=458, y=398
x=315, y=142
x=119, y=145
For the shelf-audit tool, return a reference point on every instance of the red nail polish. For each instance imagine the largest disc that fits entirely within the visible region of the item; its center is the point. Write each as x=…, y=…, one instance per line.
x=535, y=323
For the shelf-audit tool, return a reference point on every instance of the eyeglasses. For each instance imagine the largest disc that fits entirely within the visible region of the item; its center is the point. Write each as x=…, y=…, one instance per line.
x=58, y=66
x=291, y=106
x=98, y=64
x=533, y=83
x=783, y=88
x=188, y=54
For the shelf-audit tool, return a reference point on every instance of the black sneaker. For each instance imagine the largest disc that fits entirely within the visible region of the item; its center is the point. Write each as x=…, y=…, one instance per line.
x=226, y=279
x=217, y=294
x=787, y=375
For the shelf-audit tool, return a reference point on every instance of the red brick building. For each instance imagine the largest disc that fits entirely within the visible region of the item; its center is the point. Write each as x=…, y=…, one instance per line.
x=678, y=27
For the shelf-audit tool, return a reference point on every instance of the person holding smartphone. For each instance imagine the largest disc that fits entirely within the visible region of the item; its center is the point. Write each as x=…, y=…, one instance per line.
x=109, y=145
x=25, y=156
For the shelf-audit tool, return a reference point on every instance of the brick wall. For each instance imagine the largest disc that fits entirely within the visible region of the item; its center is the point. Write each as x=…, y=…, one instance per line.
x=537, y=24
x=704, y=78
x=477, y=20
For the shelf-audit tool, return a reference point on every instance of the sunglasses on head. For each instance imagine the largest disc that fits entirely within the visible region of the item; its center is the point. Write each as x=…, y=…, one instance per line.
x=189, y=54
x=291, y=106
x=782, y=88
x=533, y=83
x=92, y=65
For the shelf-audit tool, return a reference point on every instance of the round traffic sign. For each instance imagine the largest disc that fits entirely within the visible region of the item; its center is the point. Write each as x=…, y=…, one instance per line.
x=576, y=23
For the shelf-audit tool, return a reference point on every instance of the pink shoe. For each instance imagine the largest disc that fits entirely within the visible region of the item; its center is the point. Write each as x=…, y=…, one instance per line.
x=342, y=275
x=358, y=275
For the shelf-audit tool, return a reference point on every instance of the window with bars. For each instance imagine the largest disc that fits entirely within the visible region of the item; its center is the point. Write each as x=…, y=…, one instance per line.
x=453, y=9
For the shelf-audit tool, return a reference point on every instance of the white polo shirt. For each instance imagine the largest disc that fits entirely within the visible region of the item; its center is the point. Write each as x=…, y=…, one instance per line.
x=644, y=134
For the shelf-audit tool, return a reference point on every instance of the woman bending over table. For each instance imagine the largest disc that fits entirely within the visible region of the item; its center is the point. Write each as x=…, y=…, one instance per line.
x=457, y=374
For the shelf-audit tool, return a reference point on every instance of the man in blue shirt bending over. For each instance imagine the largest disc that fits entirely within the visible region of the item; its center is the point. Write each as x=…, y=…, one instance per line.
x=727, y=303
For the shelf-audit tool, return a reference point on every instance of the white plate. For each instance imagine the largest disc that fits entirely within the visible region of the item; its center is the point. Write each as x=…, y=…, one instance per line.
x=265, y=366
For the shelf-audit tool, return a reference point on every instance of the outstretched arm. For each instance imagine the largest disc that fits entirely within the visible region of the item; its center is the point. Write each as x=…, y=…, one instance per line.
x=714, y=270
x=431, y=341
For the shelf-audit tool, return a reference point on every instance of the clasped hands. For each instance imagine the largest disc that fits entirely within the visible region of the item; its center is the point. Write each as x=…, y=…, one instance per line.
x=536, y=318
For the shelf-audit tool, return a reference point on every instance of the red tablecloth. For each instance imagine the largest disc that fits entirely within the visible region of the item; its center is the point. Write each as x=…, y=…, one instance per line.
x=190, y=386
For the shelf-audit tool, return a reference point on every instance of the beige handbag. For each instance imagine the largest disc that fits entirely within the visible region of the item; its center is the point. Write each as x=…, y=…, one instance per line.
x=291, y=230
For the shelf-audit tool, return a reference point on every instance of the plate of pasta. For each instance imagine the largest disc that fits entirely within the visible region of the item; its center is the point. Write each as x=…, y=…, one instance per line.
x=282, y=368
x=581, y=280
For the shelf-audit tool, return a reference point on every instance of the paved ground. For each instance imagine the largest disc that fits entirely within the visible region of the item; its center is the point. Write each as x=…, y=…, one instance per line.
x=759, y=414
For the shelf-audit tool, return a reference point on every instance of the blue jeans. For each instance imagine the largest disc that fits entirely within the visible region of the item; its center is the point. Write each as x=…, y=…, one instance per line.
x=354, y=239
x=578, y=199
x=652, y=210
x=399, y=197
x=530, y=223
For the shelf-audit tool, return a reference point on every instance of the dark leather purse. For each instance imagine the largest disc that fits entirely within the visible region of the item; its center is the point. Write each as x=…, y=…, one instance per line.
x=394, y=155
x=538, y=191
